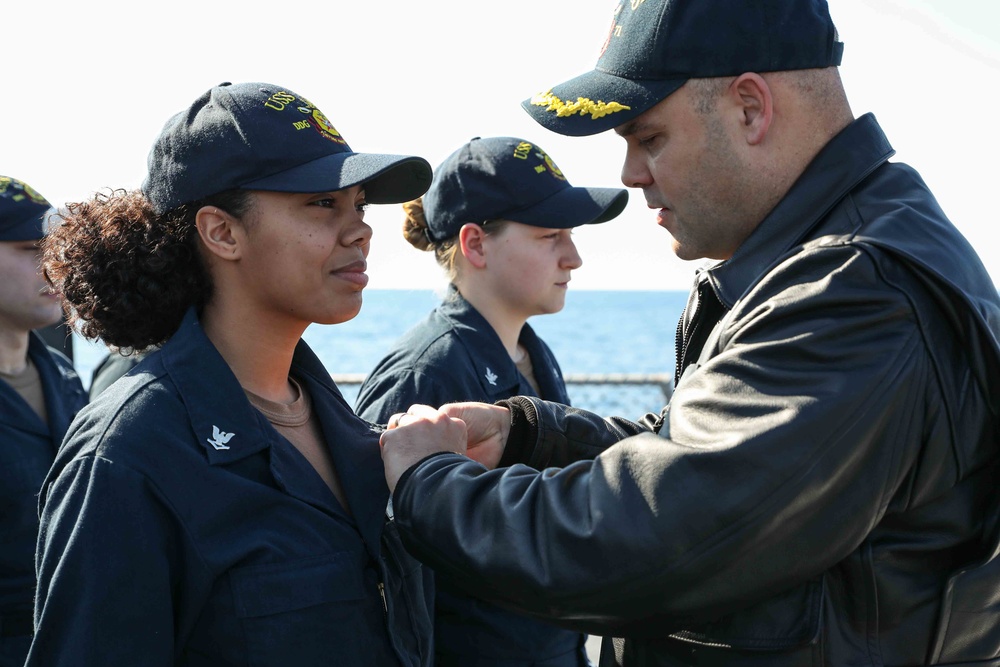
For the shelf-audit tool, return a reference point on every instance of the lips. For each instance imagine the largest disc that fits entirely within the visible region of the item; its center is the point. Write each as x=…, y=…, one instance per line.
x=353, y=273
x=662, y=217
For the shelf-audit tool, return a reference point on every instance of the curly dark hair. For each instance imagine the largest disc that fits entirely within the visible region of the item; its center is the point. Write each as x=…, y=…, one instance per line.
x=128, y=275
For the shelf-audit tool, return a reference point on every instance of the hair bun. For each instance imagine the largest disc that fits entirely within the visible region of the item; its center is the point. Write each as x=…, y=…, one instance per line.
x=415, y=225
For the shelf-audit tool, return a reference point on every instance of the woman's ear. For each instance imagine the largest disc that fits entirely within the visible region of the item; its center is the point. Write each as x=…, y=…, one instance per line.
x=756, y=102
x=470, y=240
x=220, y=233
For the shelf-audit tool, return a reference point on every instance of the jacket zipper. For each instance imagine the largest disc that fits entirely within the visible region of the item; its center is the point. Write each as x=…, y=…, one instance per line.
x=682, y=339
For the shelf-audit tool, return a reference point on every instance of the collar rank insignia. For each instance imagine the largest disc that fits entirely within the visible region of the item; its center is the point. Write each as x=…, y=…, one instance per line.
x=219, y=438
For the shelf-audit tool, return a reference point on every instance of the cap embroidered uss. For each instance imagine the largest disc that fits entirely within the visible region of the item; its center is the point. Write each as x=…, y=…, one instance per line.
x=23, y=212
x=505, y=178
x=654, y=46
x=259, y=136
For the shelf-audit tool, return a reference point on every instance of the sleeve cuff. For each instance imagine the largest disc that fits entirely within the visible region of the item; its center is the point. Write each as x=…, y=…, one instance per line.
x=523, y=431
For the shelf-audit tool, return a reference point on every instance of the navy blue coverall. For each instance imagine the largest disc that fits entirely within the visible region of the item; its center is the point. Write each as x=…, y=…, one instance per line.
x=27, y=448
x=455, y=355
x=179, y=528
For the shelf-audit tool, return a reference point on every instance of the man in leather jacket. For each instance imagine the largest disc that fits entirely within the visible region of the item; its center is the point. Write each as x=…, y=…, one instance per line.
x=822, y=487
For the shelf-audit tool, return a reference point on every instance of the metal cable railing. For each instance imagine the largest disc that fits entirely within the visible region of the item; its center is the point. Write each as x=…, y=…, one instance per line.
x=628, y=395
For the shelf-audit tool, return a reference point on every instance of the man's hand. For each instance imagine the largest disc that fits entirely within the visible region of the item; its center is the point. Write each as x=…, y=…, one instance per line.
x=488, y=427
x=415, y=434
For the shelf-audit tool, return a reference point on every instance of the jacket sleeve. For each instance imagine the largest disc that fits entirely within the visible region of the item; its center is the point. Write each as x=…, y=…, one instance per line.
x=98, y=605
x=545, y=434
x=778, y=456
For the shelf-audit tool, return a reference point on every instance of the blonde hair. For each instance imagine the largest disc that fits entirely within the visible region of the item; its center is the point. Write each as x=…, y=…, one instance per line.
x=415, y=231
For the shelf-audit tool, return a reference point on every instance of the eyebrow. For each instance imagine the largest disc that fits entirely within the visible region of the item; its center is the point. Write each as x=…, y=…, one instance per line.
x=630, y=129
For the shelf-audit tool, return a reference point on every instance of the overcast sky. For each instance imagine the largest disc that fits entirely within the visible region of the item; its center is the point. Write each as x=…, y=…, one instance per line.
x=90, y=84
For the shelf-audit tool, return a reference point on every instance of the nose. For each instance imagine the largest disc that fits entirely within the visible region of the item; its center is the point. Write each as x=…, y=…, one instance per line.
x=359, y=233
x=635, y=173
x=571, y=257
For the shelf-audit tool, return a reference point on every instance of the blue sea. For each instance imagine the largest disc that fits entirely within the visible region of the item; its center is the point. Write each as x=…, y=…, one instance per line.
x=598, y=332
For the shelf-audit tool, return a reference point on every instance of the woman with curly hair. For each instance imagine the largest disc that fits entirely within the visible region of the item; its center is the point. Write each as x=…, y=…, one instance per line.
x=221, y=504
x=498, y=216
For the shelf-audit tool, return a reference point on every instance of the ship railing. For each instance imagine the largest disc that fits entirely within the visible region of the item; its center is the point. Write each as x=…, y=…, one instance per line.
x=629, y=395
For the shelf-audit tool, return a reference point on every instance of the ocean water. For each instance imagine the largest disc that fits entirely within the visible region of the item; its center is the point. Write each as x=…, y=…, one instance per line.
x=597, y=332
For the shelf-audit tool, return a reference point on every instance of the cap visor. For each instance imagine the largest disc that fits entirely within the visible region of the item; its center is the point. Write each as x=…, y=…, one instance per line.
x=596, y=102
x=31, y=228
x=574, y=206
x=388, y=179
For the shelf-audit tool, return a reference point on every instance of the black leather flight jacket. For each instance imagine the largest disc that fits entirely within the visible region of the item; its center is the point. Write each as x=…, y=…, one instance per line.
x=822, y=488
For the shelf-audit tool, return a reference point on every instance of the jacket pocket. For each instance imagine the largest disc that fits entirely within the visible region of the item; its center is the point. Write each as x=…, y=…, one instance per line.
x=784, y=630
x=968, y=630
x=310, y=611
x=263, y=590
x=409, y=588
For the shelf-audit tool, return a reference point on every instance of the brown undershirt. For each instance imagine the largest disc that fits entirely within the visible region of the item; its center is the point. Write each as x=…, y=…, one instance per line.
x=297, y=423
x=528, y=371
x=28, y=383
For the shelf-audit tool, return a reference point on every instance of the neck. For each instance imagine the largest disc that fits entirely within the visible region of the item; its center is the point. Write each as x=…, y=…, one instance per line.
x=506, y=323
x=256, y=347
x=13, y=351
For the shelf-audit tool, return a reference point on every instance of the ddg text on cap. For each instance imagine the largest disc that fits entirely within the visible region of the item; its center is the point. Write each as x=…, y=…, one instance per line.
x=258, y=136
x=506, y=178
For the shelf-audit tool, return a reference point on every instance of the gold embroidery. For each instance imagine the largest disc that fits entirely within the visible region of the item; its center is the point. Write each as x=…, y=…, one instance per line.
x=279, y=100
x=522, y=150
x=19, y=190
x=550, y=165
x=581, y=106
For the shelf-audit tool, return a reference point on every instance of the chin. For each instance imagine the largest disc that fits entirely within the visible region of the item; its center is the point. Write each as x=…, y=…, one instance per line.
x=343, y=314
x=337, y=319
x=679, y=249
x=49, y=318
x=687, y=253
x=553, y=307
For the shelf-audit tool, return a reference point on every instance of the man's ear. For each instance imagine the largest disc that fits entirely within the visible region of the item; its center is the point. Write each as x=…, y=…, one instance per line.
x=470, y=239
x=757, y=105
x=220, y=233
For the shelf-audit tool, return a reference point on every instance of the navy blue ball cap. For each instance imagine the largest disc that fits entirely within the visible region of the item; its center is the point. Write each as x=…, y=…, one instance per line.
x=259, y=136
x=654, y=46
x=23, y=212
x=505, y=178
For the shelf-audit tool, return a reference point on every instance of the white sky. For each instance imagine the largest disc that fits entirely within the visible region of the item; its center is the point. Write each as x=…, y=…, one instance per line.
x=90, y=84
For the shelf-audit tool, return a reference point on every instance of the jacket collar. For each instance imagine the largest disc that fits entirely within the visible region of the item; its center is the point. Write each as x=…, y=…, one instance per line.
x=219, y=411
x=229, y=428
x=352, y=443
x=64, y=394
x=845, y=161
x=497, y=373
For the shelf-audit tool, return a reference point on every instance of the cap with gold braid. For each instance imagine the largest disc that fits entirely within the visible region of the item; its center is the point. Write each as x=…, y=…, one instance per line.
x=654, y=46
